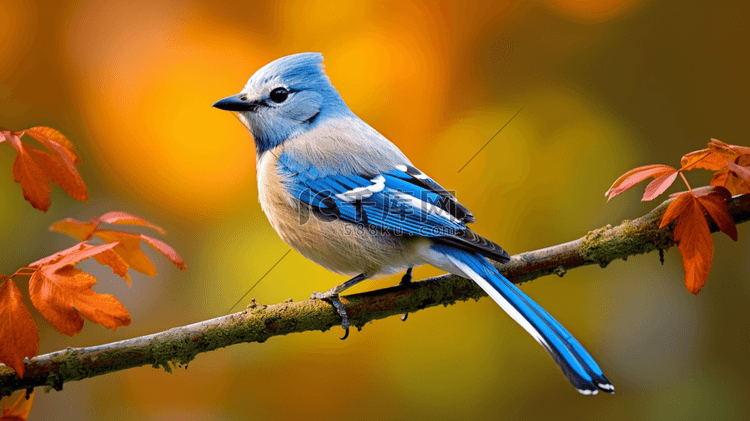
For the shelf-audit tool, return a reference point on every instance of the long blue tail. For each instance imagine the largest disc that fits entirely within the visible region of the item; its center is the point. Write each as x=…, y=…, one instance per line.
x=574, y=361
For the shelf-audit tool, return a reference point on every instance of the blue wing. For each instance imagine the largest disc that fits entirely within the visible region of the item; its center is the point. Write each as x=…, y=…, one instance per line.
x=402, y=200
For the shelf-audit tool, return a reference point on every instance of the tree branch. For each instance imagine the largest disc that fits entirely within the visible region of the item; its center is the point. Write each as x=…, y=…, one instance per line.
x=258, y=322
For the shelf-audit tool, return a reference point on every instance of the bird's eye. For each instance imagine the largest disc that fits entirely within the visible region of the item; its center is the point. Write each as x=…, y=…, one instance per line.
x=279, y=95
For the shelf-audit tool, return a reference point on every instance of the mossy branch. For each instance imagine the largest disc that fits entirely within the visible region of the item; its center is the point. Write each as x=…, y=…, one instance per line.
x=180, y=345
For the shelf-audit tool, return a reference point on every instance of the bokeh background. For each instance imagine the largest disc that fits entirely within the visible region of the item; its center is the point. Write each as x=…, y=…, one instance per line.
x=608, y=86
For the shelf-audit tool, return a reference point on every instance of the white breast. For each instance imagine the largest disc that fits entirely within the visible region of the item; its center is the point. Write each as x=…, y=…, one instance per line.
x=338, y=246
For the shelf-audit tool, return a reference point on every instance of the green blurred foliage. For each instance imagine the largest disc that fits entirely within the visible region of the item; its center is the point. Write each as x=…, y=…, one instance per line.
x=608, y=85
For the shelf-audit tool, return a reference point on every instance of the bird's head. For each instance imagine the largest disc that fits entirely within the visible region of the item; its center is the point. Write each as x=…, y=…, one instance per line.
x=286, y=98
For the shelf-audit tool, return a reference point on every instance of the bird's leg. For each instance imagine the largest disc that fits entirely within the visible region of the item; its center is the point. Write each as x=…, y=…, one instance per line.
x=406, y=279
x=332, y=295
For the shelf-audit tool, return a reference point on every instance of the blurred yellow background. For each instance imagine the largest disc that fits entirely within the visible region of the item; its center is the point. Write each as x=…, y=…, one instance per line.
x=608, y=86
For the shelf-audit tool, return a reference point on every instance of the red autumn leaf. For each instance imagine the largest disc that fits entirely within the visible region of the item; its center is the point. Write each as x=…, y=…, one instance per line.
x=50, y=137
x=693, y=238
x=128, y=219
x=34, y=168
x=62, y=293
x=17, y=328
x=72, y=255
x=716, y=206
x=59, y=173
x=676, y=208
x=166, y=250
x=703, y=191
x=33, y=179
x=657, y=187
x=16, y=407
x=635, y=176
x=61, y=150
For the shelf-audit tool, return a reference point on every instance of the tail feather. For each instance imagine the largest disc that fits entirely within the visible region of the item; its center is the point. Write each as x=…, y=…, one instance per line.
x=592, y=368
x=574, y=361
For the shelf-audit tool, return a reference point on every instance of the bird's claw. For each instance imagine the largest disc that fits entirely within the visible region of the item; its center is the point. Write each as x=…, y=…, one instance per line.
x=406, y=279
x=340, y=308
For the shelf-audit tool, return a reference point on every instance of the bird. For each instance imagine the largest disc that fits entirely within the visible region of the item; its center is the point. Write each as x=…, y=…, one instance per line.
x=342, y=195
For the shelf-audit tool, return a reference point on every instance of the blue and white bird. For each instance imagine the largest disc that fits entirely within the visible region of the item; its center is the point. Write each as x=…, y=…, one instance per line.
x=345, y=197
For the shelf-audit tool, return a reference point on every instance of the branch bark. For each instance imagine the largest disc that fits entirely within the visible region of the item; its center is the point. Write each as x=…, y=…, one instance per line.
x=257, y=323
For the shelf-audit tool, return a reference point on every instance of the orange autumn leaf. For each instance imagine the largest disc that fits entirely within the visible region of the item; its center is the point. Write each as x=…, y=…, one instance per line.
x=715, y=204
x=16, y=407
x=696, y=246
x=58, y=173
x=705, y=159
x=33, y=179
x=104, y=254
x=735, y=177
x=116, y=262
x=72, y=255
x=51, y=138
x=676, y=208
x=692, y=233
x=17, y=328
x=636, y=175
x=740, y=171
x=724, y=148
x=693, y=238
x=34, y=168
x=83, y=230
x=129, y=247
x=63, y=294
x=76, y=229
x=731, y=182
x=713, y=158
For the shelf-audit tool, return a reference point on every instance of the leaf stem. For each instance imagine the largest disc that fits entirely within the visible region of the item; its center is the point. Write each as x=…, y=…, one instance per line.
x=686, y=183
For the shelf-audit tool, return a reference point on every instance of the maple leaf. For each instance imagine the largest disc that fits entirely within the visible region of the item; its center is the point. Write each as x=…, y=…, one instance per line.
x=33, y=179
x=693, y=238
x=129, y=244
x=736, y=176
x=17, y=328
x=62, y=292
x=692, y=233
x=664, y=176
x=16, y=407
x=128, y=219
x=34, y=168
x=715, y=204
x=713, y=158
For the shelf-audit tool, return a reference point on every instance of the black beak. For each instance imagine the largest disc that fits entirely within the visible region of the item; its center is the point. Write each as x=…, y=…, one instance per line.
x=235, y=103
